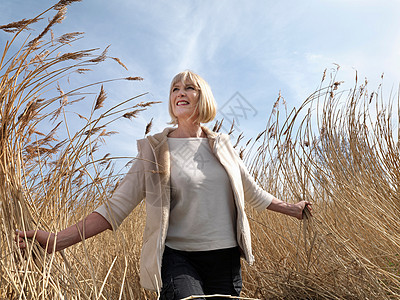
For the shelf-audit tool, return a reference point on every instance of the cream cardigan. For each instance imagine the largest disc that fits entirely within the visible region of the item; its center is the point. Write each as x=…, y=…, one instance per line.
x=149, y=179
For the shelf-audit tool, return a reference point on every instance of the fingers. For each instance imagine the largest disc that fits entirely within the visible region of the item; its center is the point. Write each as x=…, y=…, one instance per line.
x=21, y=236
x=28, y=234
x=307, y=210
x=19, y=239
x=309, y=206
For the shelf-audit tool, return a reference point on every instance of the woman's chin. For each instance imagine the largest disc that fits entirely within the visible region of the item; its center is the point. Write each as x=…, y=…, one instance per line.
x=186, y=118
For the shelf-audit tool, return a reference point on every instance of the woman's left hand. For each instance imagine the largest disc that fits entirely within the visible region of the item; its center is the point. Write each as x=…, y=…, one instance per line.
x=303, y=209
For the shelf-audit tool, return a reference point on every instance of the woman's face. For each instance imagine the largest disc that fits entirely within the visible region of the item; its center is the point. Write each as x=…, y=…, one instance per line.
x=184, y=98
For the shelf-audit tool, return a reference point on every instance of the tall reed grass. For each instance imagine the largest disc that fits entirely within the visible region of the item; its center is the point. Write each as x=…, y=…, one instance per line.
x=339, y=150
x=49, y=183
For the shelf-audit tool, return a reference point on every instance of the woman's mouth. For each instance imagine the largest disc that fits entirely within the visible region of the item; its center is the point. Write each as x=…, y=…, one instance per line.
x=182, y=102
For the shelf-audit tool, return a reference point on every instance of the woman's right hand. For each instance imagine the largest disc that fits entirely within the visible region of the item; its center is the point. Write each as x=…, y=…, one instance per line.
x=44, y=238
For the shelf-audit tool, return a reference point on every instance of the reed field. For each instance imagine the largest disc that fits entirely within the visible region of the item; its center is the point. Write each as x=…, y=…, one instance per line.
x=339, y=150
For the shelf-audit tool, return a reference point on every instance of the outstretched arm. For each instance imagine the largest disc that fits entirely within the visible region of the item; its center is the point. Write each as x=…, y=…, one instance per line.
x=90, y=226
x=294, y=210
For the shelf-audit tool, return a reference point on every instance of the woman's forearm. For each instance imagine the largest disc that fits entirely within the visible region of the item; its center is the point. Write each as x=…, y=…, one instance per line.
x=91, y=225
x=294, y=210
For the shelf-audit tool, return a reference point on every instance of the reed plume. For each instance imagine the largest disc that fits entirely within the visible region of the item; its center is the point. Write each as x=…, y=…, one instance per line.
x=52, y=173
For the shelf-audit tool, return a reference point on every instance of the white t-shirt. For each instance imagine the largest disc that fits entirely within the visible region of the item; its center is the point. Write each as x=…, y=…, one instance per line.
x=203, y=212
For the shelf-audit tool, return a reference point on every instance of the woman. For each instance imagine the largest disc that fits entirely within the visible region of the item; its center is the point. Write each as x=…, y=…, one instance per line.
x=195, y=186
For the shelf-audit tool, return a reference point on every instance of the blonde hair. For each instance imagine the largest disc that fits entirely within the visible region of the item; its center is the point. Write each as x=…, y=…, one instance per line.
x=206, y=106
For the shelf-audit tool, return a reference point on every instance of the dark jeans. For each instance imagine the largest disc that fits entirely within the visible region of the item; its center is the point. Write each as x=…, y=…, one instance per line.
x=200, y=273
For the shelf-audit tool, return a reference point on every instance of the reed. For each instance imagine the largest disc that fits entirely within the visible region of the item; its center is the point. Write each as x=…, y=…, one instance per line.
x=48, y=182
x=339, y=149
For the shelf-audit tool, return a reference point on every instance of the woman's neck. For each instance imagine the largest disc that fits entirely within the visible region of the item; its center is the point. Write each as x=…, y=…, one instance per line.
x=187, y=131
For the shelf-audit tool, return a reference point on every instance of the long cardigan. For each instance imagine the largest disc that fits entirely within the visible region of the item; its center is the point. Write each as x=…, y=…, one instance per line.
x=149, y=179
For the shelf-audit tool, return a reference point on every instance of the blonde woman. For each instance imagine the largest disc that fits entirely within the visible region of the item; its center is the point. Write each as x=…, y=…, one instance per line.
x=195, y=187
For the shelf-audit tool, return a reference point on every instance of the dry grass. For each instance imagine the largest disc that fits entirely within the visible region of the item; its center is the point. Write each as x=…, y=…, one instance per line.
x=49, y=183
x=339, y=151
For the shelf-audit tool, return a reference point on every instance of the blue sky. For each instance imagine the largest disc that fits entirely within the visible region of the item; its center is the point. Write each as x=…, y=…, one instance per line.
x=255, y=48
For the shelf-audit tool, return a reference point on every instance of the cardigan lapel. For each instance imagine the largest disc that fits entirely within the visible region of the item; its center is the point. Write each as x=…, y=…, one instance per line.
x=159, y=145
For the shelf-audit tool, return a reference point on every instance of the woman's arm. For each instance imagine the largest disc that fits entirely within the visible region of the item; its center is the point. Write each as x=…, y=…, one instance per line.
x=90, y=226
x=294, y=210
